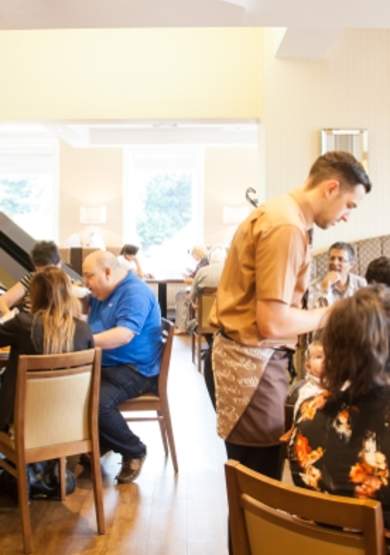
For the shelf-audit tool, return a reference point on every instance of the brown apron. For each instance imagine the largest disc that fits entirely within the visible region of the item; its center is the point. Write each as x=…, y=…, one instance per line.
x=251, y=388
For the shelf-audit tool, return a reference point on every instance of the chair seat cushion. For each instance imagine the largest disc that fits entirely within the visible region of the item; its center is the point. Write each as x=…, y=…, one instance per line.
x=131, y=404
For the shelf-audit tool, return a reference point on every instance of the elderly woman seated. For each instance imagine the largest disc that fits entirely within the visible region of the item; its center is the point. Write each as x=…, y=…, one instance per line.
x=183, y=299
x=206, y=277
x=340, y=442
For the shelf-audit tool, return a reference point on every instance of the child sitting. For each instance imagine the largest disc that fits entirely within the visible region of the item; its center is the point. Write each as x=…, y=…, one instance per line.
x=314, y=367
x=310, y=386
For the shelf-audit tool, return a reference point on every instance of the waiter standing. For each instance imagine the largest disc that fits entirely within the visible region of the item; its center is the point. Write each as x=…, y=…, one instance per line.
x=258, y=306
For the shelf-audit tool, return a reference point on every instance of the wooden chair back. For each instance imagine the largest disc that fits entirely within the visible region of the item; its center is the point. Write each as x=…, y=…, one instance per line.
x=268, y=516
x=56, y=402
x=206, y=300
x=167, y=329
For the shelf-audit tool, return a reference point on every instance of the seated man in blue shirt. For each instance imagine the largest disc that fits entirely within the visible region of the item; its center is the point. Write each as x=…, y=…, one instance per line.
x=125, y=318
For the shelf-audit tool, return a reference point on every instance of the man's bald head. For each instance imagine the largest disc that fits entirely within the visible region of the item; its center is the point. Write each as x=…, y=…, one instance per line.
x=101, y=259
x=102, y=273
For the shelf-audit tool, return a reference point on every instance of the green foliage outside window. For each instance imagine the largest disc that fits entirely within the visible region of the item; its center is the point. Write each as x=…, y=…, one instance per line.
x=167, y=208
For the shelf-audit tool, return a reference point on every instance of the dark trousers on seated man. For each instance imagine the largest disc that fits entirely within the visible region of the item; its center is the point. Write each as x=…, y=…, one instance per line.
x=118, y=384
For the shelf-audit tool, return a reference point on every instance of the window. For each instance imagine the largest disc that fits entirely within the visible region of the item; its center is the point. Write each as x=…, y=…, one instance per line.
x=29, y=182
x=162, y=205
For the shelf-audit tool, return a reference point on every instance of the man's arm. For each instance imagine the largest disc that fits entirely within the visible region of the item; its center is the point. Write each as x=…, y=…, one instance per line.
x=113, y=338
x=277, y=320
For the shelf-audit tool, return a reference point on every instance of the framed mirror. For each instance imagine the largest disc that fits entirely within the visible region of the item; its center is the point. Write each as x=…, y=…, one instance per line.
x=354, y=141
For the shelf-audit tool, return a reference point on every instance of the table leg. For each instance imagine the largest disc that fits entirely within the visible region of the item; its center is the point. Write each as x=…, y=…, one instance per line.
x=162, y=298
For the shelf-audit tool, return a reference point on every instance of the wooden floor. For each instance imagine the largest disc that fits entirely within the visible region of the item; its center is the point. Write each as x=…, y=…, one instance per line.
x=157, y=515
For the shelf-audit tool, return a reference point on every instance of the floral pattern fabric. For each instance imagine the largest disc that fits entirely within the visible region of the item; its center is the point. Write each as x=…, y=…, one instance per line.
x=343, y=448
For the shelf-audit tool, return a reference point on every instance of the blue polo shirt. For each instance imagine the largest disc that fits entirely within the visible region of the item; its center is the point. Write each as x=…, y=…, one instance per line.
x=131, y=305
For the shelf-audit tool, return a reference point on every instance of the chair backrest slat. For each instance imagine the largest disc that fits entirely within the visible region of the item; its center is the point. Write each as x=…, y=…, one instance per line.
x=206, y=300
x=167, y=328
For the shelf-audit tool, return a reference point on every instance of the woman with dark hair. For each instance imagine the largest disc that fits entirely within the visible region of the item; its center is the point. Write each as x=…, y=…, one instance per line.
x=341, y=439
x=128, y=259
x=53, y=326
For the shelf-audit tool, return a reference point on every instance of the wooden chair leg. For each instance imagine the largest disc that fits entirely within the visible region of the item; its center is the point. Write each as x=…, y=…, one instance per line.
x=171, y=441
x=199, y=352
x=97, y=483
x=193, y=340
x=24, y=508
x=62, y=477
x=163, y=431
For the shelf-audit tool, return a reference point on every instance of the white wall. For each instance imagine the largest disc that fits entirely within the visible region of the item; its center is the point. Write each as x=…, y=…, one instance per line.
x=349, y=89
x=94, y=176
x=91, y=177
x=228, y=172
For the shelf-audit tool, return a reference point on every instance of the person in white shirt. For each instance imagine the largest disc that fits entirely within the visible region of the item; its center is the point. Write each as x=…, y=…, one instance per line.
x=129, y=260
x=209, y=275
x=339, y=282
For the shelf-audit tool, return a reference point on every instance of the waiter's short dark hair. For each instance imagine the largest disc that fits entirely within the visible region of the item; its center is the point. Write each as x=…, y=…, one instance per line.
x=342, y=165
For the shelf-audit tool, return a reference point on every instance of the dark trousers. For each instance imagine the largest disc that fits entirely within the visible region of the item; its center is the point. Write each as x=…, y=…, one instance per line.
x=266, y=460
x=208, y=370
x=118, y=384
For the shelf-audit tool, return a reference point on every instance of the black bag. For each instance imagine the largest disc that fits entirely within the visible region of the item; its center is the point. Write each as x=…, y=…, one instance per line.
x=43, y=481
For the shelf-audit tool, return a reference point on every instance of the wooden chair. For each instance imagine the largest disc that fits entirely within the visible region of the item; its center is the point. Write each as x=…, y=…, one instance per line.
x=56, y=416
x=268, y=516
x=205, y=301
x=158, y=403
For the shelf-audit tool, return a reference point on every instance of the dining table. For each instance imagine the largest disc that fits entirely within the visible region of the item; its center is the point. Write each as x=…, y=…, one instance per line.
x=162, y=283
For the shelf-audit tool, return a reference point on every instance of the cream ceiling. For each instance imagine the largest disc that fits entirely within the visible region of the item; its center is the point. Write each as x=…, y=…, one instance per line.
x=42, y=14
x=312, y=27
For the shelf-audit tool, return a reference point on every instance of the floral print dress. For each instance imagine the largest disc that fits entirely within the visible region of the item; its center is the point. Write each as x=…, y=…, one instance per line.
x=343, y=448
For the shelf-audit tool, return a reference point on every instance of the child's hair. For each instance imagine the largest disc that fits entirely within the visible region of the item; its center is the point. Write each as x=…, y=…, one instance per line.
x=53, y=303
x=356, y=342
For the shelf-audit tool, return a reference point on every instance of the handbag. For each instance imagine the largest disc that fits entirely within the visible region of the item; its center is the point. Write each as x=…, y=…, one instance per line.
x=43, y=481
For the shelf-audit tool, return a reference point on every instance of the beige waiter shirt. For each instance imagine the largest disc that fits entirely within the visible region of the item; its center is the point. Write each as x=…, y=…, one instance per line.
x=269, y=259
